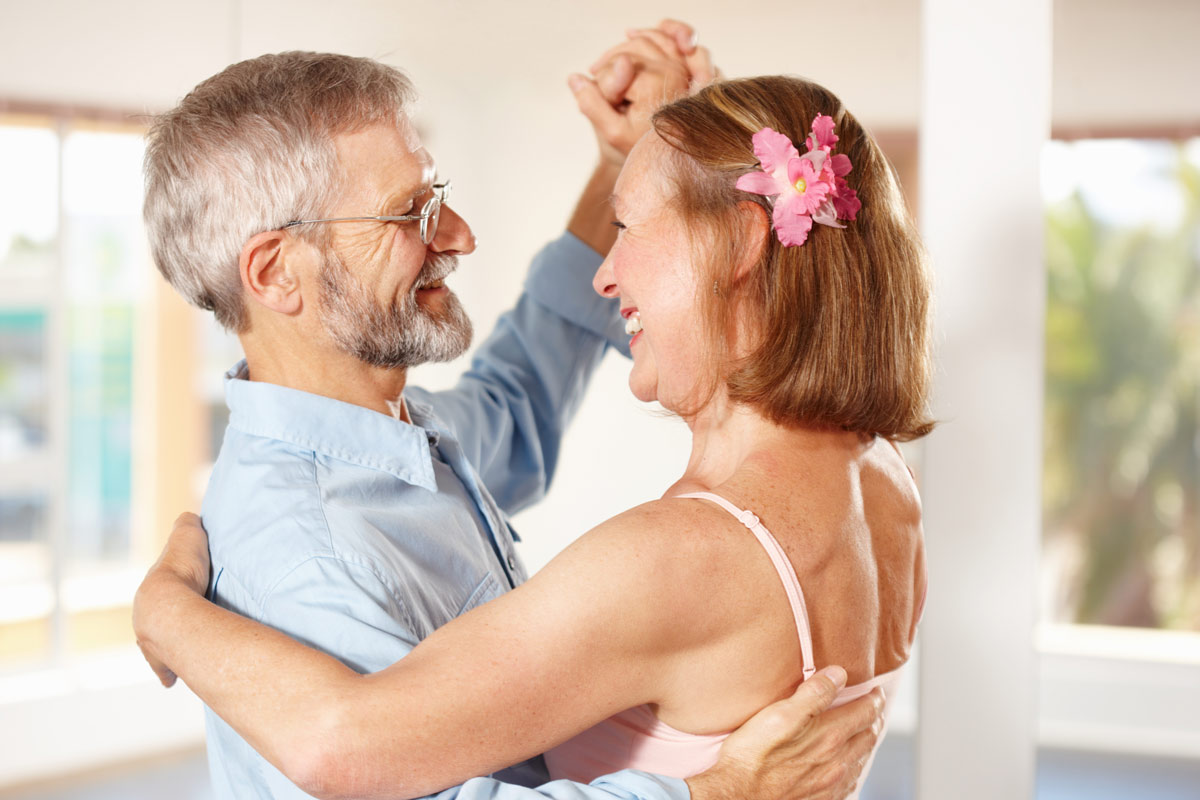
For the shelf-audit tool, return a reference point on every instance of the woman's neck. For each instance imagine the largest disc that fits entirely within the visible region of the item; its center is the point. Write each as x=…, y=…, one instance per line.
x=725, y=437
x=728, y=438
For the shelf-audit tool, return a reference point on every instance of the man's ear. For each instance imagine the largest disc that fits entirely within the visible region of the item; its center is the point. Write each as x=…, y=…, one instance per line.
x=267, y=276
x=755, y=226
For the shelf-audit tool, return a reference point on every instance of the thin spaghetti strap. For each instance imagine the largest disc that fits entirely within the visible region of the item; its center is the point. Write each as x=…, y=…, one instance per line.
x=787, y=574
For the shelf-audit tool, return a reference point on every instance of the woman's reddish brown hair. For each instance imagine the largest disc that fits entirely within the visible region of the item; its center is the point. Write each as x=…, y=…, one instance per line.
x=839, y=327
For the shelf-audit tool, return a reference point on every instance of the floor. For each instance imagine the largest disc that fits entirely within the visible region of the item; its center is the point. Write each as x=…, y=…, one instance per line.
x=1062, y=775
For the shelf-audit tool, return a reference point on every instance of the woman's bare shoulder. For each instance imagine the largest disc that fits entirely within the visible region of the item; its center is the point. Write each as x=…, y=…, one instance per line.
x=671, y=527
x=714, y=604
x=668, y=554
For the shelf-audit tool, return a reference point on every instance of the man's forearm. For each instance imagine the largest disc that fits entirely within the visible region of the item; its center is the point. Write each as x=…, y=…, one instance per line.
x=592, y=219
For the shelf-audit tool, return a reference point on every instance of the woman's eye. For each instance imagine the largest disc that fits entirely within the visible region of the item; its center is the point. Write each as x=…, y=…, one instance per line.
x=620, y=226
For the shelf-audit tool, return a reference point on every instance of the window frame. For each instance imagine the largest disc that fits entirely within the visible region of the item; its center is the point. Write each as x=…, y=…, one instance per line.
x=57, y=710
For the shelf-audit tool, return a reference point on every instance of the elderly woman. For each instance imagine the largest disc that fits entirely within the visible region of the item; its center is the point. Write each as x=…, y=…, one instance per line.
x=777, y=299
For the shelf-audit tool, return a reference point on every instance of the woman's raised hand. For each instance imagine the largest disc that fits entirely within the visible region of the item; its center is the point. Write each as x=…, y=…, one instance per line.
x=184, y=563
x=632, y=80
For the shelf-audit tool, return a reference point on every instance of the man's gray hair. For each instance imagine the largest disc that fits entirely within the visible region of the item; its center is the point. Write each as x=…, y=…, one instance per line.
x=249, y=150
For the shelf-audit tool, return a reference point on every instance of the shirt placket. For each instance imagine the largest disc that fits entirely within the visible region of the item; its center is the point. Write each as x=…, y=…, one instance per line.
x=499, y=535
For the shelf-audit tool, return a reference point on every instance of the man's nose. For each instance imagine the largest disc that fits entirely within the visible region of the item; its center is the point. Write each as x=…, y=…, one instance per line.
x=454, y=236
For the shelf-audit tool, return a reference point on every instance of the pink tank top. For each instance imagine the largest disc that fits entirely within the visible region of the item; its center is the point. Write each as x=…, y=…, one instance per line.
x=637, y=739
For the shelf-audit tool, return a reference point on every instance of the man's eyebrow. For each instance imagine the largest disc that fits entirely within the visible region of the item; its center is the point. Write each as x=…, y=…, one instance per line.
x=395, y=198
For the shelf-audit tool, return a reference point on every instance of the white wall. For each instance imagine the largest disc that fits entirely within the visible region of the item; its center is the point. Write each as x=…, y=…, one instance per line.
x=1115, y=60
x=1122, y=63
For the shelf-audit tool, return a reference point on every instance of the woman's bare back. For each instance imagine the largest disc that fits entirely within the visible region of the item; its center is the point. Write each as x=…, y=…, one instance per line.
x=847, y=514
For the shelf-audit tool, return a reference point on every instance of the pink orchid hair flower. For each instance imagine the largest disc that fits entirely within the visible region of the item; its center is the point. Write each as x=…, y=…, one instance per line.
x=806, y=188
x=823, y=137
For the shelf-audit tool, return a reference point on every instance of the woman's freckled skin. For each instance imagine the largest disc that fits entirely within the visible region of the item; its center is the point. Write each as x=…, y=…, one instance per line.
x=650, y=268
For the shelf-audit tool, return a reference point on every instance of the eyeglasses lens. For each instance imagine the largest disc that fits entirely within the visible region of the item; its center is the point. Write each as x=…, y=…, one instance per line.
x=432, y=212
x=429, y=225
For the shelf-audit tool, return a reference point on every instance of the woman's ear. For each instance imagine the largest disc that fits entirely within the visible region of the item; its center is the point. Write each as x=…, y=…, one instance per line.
x=267, y=275
x=754, y=223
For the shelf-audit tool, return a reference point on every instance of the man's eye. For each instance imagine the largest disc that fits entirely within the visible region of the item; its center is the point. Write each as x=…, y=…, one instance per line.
x=620, y=226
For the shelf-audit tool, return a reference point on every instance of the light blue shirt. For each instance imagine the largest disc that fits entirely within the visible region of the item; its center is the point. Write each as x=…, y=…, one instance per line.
x=359, y=535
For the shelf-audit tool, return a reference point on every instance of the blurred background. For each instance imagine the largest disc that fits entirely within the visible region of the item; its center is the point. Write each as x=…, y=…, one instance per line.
x=110, y=386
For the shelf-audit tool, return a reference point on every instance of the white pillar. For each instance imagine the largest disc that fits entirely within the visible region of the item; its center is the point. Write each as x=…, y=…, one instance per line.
x=985, y=115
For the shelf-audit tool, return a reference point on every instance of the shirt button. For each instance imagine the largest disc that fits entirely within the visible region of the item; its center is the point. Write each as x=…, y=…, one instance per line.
x=512, y=562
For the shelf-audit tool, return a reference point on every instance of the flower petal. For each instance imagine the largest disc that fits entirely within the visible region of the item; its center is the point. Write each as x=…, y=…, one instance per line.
x=791, y=227
x=822, y=132
x=773, y=149
x=827, y=215
x=840, y=165
x=817, y=157
x=815, y=189
x=759, y=183
x=798, y=168
x=846, y=201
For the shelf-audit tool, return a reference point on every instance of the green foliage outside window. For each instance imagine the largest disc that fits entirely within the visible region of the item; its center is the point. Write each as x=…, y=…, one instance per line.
x=1122, y=425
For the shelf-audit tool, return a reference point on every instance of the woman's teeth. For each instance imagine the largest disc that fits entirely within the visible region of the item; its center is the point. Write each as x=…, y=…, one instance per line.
x=432, y=285
x=633, y=323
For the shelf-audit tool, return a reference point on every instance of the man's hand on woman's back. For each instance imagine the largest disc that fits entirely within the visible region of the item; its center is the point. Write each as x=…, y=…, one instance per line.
x=797, y=748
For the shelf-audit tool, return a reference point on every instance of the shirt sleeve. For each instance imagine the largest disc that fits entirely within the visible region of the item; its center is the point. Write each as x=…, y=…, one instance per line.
x=341, y=607
x=627, y=784
x=525, y=382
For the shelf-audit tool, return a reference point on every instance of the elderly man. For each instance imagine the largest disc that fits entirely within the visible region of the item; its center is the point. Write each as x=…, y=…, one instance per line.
x=290, y=194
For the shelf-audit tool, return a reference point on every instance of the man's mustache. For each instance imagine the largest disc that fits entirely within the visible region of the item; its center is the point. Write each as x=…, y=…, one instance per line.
x=436, y=267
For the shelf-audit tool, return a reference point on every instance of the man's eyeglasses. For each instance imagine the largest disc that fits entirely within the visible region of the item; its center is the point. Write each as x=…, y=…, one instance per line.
x=428, y=217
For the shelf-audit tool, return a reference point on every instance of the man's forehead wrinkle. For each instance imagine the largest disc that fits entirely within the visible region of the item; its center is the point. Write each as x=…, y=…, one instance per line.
x=386, y=167
x=392, y=177
x=409, y=189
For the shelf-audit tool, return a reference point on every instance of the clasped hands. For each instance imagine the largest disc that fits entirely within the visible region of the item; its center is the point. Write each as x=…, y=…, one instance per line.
x=632, y=80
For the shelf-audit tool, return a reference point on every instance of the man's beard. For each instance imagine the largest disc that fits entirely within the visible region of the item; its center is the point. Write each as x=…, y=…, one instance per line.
x=402, y=334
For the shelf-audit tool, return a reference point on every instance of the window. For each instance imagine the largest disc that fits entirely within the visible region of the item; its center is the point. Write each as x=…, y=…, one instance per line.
x=1122, y=424
x=101, y=439
x=1121, y=489
x=73, y=280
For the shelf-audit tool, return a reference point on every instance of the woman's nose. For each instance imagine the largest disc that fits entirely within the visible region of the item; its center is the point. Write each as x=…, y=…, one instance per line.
x=604, y=282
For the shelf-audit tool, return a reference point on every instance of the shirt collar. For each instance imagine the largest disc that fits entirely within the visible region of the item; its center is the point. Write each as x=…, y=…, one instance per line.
x=339, y=430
